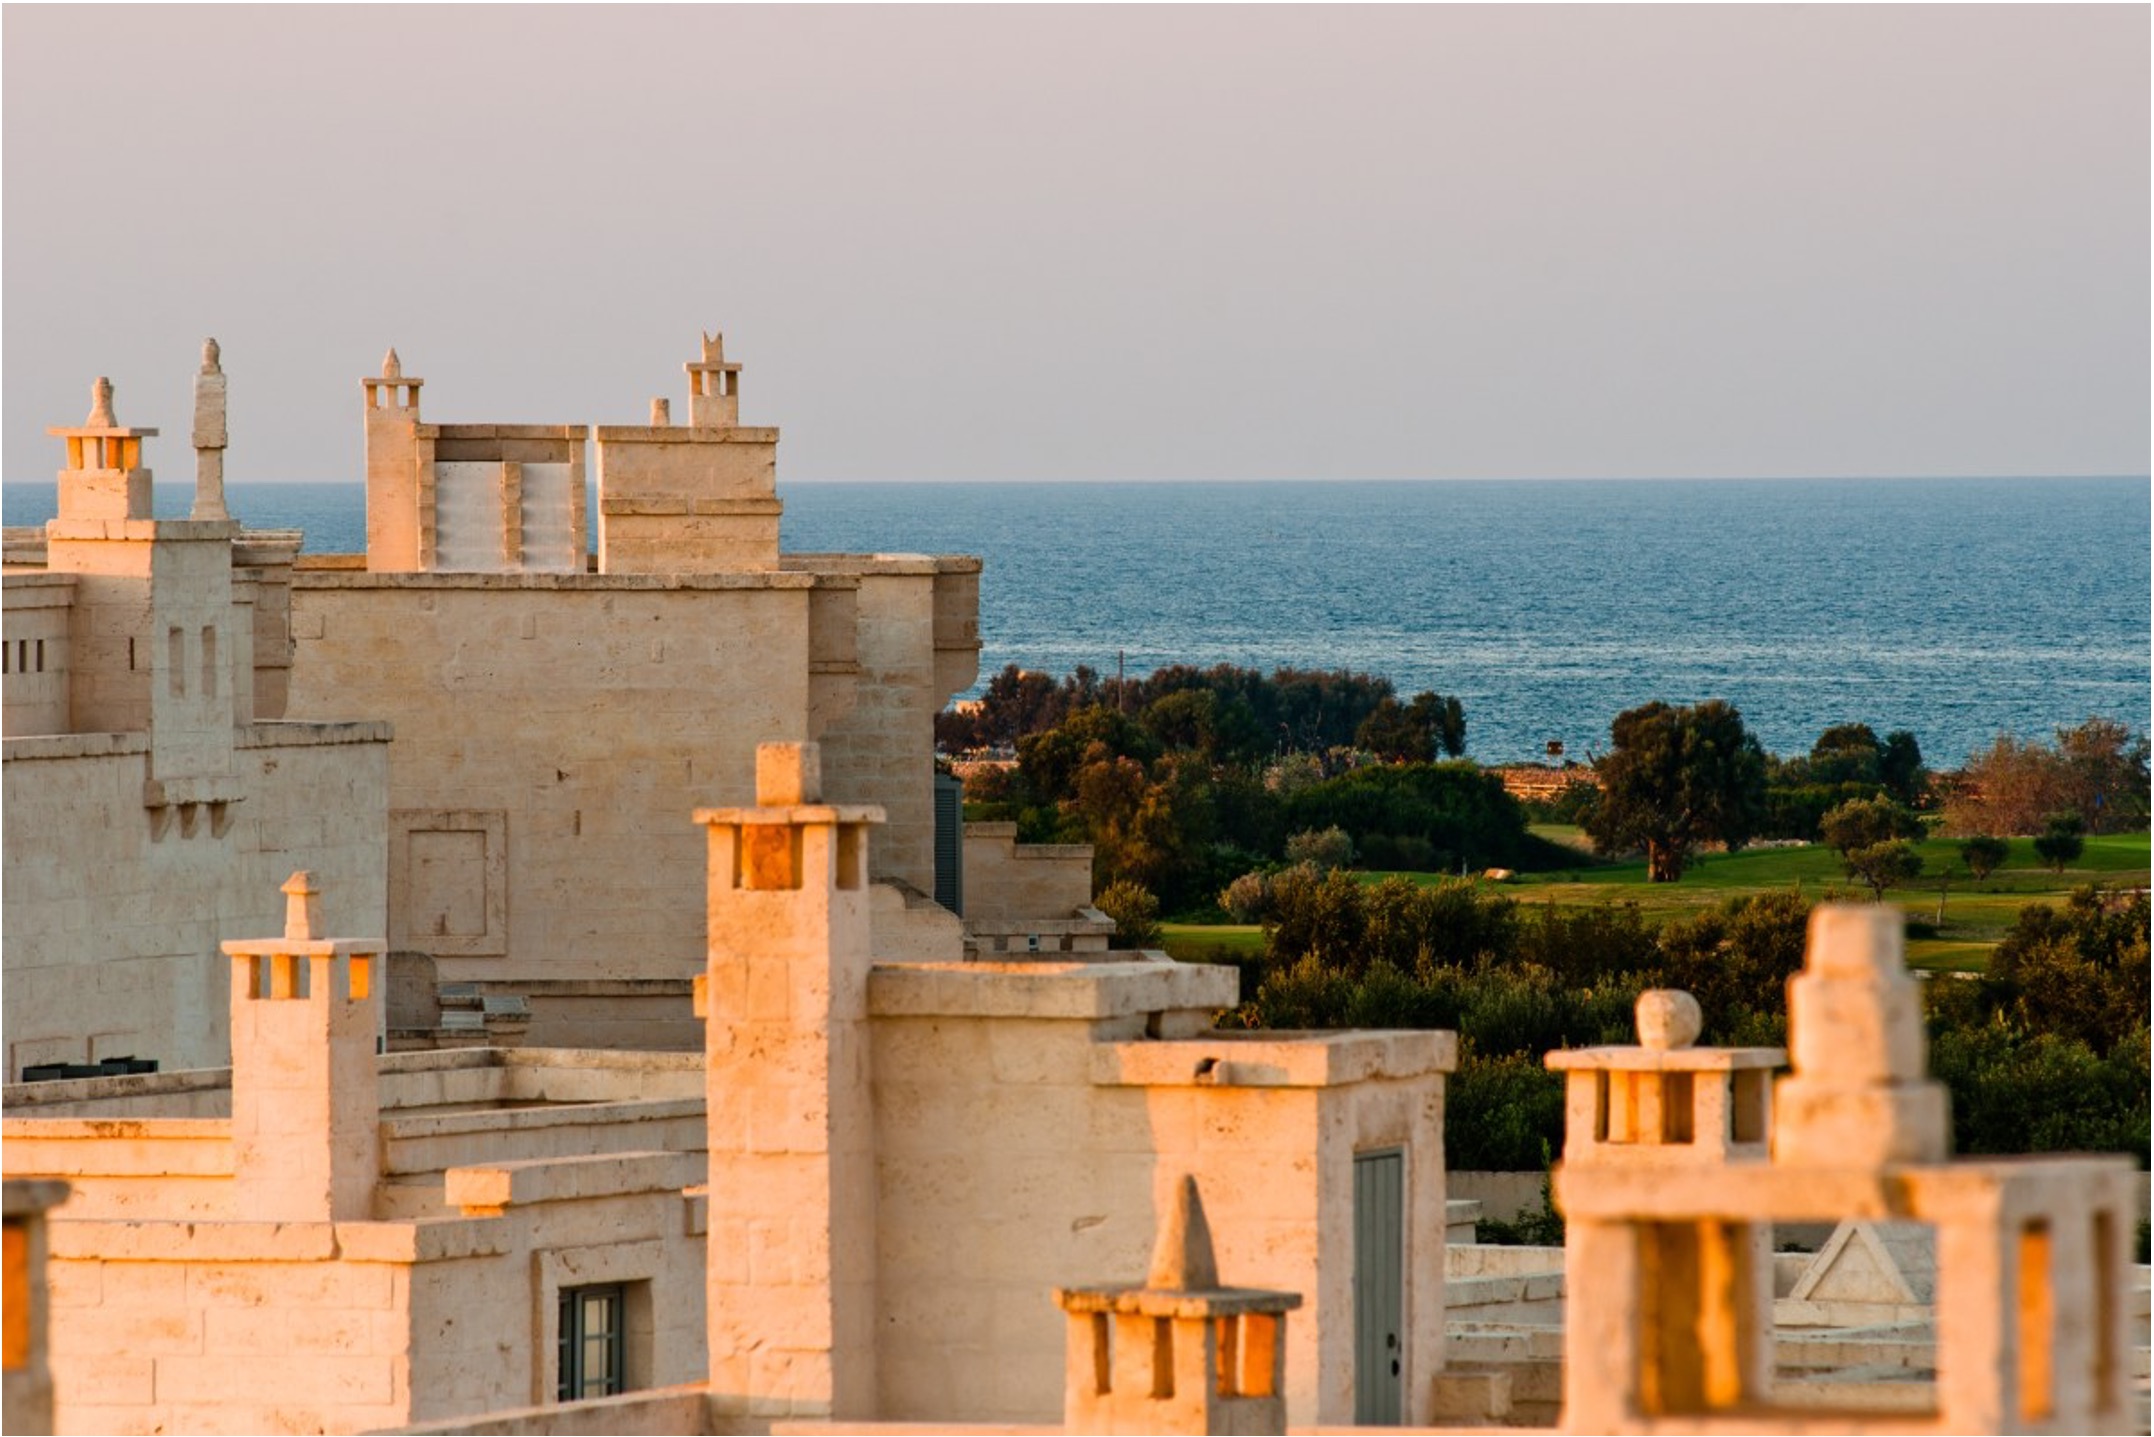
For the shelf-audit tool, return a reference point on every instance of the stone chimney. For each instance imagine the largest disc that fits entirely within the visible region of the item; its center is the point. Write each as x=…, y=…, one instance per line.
x=306, y=1108
x=1859, y=1095
x=791, y=1120
x=1182, y=1353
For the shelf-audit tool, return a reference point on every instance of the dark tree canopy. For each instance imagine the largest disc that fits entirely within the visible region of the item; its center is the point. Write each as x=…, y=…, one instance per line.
x=1675, y=779
x=1899, y=767
x=1983, y=854
x=1415, y=732
x=1865, y=822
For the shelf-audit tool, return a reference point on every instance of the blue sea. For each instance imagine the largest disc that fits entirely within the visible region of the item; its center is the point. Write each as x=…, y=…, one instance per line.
x=1955, y=608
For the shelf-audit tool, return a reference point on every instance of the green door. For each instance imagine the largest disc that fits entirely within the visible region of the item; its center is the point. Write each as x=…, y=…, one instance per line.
x=1379, y=1286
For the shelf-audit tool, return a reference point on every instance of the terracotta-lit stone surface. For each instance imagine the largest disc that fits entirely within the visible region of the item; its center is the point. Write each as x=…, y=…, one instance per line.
x=2032, y=1280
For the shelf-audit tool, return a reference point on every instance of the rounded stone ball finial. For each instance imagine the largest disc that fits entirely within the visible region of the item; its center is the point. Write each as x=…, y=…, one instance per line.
x=212, y=357
x=1668, y=1018
x=101, y=406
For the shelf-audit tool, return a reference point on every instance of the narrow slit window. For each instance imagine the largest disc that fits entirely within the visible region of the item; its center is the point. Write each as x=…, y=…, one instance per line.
x=2037, y=1325
x=176, y=662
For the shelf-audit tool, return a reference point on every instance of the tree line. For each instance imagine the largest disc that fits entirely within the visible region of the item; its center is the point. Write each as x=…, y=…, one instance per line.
x=2047, y=1052
x=1188, y=779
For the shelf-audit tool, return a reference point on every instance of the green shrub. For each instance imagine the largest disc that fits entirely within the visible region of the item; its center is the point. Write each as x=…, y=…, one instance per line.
x=1324, y=848
x=1135, y=913
x=1983, y=854
x=2016, y=1092
x=1247, y=898
x=2061, y=840
x=1502, y=1114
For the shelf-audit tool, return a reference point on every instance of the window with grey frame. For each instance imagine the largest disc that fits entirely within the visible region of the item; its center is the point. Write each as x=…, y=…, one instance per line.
x=593, y=1342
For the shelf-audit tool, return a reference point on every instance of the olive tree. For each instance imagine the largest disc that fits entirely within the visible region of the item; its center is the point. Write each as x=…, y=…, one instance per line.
x=1677, y=778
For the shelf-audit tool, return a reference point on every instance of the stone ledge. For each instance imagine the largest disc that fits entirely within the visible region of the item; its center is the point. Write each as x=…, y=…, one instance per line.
x=410, y=1127
x=493, y=1186
x=792, y=814
x=303, y=733
x=685, y=434
x=1048, y=989
x=432, y=1239
x=1274, y=1059
x=308, y=579
x=35, y=588
x=73, y=745
x=1666, y=1060
x=1782, y=1192
x=863, y=564
x=111, y=1240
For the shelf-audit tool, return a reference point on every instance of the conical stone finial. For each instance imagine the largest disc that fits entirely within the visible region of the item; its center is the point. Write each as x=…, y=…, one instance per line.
x=391, y=366
x=212, y=357
x=302, y=907
x=101, y=406
x=1182, y=1259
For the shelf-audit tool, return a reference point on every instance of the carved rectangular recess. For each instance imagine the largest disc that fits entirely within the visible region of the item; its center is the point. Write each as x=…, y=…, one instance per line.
x=448, y=881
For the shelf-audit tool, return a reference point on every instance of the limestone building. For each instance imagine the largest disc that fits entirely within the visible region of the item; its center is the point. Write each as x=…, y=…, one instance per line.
x=556, y=714
x=156, y=789
x=903, y=1161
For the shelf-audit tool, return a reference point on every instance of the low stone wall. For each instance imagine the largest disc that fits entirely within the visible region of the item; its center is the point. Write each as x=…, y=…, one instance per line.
x=186, y=1093
x=1008, y=881
x=1504, y=1197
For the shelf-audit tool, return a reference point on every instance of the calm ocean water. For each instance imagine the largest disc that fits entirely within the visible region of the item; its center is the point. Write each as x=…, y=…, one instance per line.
x=1955, y=608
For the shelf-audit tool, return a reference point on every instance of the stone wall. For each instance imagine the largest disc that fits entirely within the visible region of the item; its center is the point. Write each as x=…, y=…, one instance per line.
x=1007, y=881
x=917, y=645
x=112, y=932
x=553, y=732
x=1049, y=1067
x=504, y=1178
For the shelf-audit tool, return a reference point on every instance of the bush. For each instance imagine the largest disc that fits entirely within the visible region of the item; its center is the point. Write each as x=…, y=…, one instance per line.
x=1386, y=852
x=1135, y=913
x=2016, y=1092
x=1502, y=1114
x=1317, y=914
x=1460, y=811
x=2061, y=841
x=1736, y=959
x=1247, y=899
x=1325, y=848
x=1983, y=854
x=1590, y=944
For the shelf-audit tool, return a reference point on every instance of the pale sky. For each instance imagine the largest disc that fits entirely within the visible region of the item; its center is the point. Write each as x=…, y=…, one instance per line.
x=1103, y=243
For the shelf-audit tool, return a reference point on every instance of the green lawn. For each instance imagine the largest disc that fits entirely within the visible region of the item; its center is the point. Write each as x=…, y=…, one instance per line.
x=1200, y=942
x=1976, y=915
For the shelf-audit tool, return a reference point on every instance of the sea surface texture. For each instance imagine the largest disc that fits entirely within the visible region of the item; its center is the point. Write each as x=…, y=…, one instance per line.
x=1955, y=608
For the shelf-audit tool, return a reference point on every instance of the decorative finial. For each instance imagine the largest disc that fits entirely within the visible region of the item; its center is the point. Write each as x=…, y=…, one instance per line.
x=1668, y=1018
x=101, y=406
x=1182, y=1259
x=211, y=355
x=661, y=413
x=302, y=907
x=714, y=348
x=391, y=366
